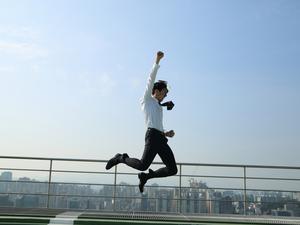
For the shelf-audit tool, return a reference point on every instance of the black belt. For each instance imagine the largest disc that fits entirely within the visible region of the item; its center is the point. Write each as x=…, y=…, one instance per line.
x=155, y=130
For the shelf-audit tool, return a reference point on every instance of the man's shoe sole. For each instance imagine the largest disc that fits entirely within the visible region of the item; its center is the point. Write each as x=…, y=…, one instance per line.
x=141, y=187
x=112, y=162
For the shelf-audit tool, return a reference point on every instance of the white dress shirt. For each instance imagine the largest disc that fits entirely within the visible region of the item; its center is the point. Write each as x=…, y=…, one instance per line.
x=150, y=105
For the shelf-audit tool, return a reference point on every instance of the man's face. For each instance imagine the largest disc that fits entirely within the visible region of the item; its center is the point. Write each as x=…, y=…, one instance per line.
x=160, y=95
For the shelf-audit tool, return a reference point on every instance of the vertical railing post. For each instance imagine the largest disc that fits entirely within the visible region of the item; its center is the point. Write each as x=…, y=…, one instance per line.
x=49, y=184
x=245, y=190
x=180, y=184
x=115, y=189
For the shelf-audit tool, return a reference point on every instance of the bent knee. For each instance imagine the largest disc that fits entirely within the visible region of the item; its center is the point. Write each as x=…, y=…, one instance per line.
x=174, y=170
x=144, y=167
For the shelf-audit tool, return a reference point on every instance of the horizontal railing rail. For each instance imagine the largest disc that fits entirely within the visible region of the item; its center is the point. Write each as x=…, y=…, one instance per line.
x=159, y=163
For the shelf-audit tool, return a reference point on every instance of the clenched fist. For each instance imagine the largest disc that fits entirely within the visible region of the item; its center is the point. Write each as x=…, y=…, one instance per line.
x=159, y=56
x=170, y=133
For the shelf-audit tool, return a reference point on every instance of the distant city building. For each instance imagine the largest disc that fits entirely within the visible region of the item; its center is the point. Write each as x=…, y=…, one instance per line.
x=27, y=201
x=74, y=204
x=145, y=202
x=281, y=213
x=5, y=201
x=6, y=176
x=197, y=198
x=226, y=206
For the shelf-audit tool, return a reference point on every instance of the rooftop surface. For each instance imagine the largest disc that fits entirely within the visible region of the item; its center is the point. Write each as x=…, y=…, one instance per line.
x=56, y=216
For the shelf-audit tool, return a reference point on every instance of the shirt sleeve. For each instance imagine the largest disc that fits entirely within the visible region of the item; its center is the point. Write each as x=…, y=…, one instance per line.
x=150, y=82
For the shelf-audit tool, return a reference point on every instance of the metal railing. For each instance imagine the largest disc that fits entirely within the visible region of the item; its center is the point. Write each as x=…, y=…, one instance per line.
x=244, y=189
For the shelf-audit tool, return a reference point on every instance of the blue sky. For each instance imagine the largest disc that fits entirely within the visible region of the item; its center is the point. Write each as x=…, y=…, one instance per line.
x=72, y=74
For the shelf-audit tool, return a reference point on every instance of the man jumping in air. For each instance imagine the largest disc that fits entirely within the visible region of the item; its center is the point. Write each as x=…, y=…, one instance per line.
x=155, y=138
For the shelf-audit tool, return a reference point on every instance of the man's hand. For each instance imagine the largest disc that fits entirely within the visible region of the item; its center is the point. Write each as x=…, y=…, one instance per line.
x=159, y=56
x=170, y=133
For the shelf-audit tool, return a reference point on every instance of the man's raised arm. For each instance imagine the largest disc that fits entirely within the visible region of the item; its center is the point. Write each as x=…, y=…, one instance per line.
x=152, y=76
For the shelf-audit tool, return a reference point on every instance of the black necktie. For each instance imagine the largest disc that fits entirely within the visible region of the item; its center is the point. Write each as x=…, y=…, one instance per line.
x=169, y=105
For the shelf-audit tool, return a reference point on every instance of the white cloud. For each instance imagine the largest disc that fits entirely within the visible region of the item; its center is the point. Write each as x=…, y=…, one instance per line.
x=98, y=84
x=135, y=82
x=24, y=33
x=7, y=69
x=23, y=42
x=106, y=83
x=24, y=50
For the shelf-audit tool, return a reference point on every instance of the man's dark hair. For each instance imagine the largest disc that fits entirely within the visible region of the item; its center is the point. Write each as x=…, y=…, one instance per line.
x=159, y=85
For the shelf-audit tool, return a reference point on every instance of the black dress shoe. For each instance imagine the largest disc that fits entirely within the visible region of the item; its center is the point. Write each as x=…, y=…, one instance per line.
x=143, y=180
x=113, y=161
x=124, y=156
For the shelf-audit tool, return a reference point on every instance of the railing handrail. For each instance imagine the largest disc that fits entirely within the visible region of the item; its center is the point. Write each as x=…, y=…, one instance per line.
x=158, y=163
